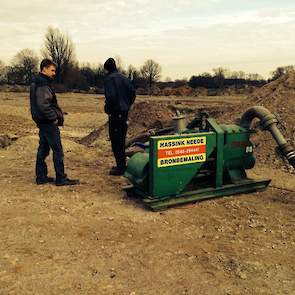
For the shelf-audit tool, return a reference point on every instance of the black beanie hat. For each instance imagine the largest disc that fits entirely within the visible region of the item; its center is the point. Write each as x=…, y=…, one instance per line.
x=110, y=65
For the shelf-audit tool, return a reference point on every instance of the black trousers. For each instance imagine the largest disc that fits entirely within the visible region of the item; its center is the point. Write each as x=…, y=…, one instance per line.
x=49, y=138
x=117, y=132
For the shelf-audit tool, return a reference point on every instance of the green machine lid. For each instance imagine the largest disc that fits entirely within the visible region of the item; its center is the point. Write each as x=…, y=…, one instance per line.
x=231, y=128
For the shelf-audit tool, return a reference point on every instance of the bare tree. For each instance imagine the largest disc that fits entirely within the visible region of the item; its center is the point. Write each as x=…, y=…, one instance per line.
x=120, y=64
x=241, y=75
x=254, y=77
x=2, y=72
x=220, y=72
x=206, y=75
x=280, y=71
x=234, y=75
x=23, y=67
x=94, y=74
x=151, y=71
x=59, y=47
x=132, y=72
x=99, y=75
x=219, y=75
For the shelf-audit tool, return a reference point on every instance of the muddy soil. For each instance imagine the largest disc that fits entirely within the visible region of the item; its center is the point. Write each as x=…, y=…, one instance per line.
x=91, y=239
x=279, y=97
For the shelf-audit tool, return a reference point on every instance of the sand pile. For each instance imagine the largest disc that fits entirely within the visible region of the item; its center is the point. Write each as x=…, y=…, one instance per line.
x=279, y=97
x=142, y=116
x=145, y=115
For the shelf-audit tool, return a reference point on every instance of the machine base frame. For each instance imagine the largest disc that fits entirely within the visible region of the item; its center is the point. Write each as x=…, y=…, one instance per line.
x=160, y=204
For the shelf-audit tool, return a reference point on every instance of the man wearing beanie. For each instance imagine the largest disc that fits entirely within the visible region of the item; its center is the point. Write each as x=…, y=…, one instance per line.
x=119, y=96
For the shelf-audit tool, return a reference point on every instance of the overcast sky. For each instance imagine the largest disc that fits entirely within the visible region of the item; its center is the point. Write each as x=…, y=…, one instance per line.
x=185, y=37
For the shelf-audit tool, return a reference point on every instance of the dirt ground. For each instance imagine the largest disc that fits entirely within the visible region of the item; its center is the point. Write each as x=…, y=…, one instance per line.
x=91, y=239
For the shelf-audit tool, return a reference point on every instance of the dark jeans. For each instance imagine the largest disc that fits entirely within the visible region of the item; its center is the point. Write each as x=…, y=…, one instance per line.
x=117, y=131
x=49, y=136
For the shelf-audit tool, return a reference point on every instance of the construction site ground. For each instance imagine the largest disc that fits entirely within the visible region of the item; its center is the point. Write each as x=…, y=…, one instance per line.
x=92, y=239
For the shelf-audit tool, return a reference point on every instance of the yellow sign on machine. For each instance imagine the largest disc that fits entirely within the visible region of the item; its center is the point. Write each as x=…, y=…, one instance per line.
x=181, y=151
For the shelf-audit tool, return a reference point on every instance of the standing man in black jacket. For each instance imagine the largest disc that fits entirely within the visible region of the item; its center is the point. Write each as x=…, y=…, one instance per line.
x=48, y=116
x=119, y=96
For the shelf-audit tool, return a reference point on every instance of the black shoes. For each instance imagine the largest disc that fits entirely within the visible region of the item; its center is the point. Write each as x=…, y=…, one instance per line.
x=67, y=181
x=115, y=171
x=45, y=180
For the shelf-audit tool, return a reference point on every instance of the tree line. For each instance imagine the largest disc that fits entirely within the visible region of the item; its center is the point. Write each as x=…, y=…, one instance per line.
x=59, y=47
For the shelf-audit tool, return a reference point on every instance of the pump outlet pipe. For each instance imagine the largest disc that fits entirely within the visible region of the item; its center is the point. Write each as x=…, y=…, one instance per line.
x=269, y=122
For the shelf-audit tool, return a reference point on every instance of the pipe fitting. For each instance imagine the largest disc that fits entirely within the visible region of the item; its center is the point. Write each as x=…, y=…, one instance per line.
x=288, y=151
x=265, y=116
x=179, y=122
x=268, y=121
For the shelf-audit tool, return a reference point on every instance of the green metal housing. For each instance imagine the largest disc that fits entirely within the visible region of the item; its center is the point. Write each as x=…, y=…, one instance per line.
x=193, y=165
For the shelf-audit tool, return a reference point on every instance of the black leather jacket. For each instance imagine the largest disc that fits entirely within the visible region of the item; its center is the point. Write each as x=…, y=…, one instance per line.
x=44, y=106
x=119, y=93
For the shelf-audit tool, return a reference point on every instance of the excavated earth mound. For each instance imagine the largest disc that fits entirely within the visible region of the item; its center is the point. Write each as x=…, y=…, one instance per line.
x=279, y=97
x=142, y=116
x=147, y=114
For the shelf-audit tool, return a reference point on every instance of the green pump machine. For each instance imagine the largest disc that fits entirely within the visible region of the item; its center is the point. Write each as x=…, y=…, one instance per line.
x=200, y=160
